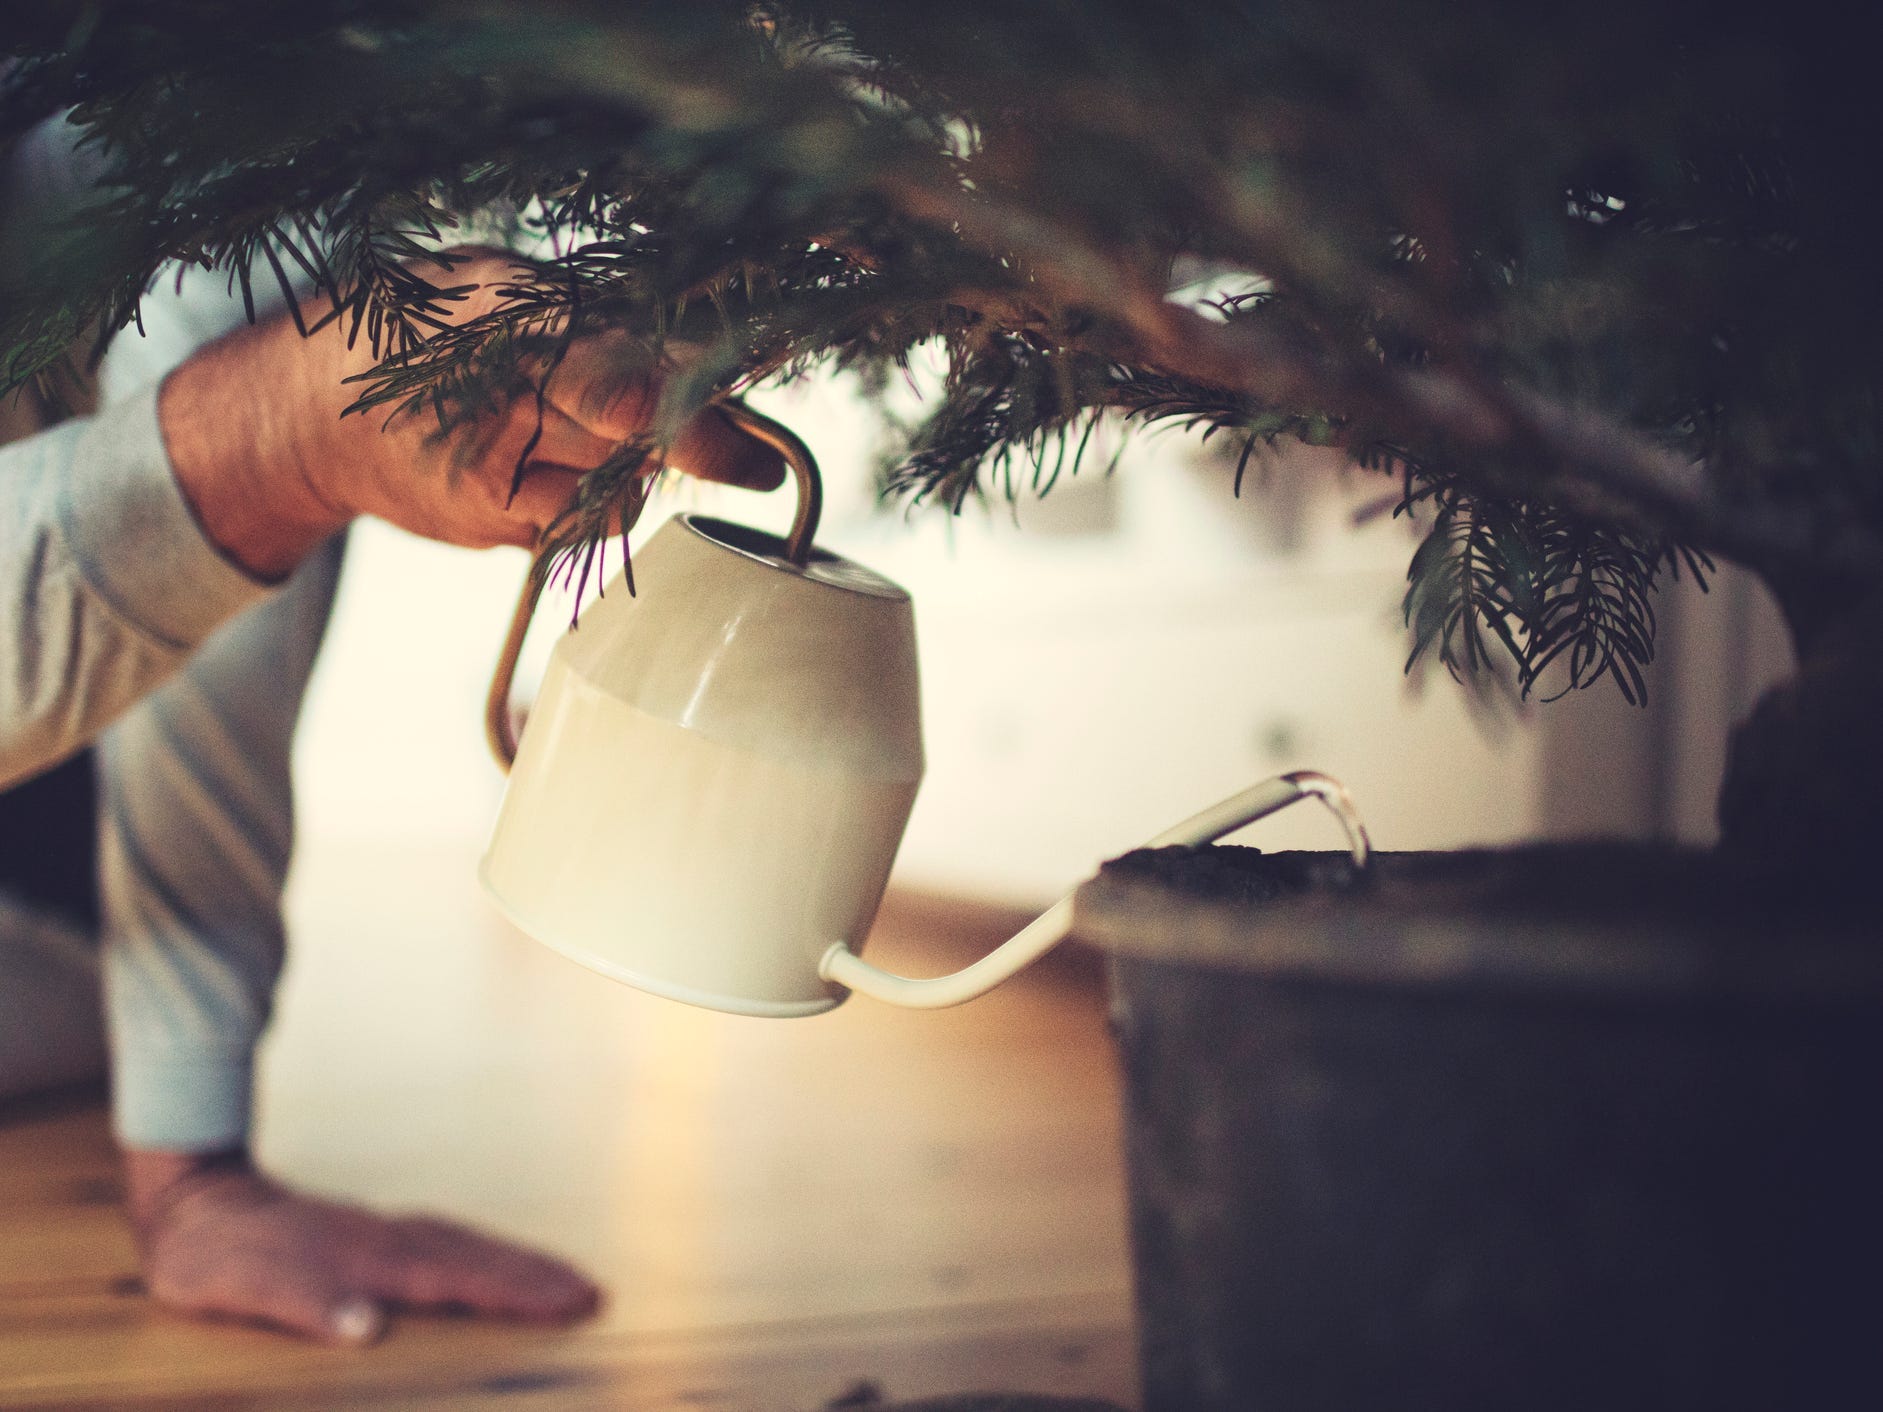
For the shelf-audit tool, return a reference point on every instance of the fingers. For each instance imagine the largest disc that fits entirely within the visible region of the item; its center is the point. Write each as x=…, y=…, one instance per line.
x=251, y=1251
x=478, y=509
x=265, y=1270
x=709, y=448
x=546, y=491
x=314, y=1310
x=356, y=1322
x=712, y=448
x=567, y=442
x=604, y=385
x=606, y=382
x=430, y=1264
x=604, y=392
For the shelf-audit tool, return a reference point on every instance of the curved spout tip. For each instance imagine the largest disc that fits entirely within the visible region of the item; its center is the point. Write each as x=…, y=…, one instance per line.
x=1333, y=794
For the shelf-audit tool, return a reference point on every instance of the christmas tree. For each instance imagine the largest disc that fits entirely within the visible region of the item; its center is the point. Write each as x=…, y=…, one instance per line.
x=1593, y=284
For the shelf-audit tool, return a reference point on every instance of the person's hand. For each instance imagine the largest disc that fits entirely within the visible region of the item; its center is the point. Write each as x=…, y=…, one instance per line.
x=254, y=429
x=218, y=1238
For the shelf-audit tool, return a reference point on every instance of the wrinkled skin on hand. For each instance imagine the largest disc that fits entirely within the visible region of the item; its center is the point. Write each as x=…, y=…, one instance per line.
x=254, y=429
x=218, y=1238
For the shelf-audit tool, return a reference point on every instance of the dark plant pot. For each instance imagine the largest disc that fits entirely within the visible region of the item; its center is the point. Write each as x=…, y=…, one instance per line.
x=1591, y=1129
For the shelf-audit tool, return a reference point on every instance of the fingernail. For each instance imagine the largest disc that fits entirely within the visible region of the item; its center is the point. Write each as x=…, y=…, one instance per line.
x=357, y=1321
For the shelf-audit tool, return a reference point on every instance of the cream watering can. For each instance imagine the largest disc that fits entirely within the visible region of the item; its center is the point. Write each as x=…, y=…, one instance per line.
x=718, y=770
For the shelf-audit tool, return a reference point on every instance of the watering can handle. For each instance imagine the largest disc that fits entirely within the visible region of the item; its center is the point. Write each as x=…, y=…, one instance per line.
x=499, y=728
x=844, y=967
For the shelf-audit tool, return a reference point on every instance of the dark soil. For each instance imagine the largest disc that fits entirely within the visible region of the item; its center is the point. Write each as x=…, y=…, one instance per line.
x=1592, y=881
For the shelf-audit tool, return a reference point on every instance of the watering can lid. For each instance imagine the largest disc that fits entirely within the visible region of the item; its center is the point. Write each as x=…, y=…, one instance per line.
x=821, y=566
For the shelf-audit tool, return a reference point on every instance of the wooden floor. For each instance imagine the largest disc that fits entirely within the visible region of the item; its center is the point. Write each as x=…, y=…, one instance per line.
x=783, y=1211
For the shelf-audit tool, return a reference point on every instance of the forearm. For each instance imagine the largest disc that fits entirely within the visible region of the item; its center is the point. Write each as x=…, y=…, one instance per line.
x=107, y=583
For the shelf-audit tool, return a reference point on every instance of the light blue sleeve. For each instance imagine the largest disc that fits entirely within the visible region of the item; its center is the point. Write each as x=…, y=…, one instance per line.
x=133, y=631
x=128, y=629
x=107, y=583
x=196, y=816
x=196, y=827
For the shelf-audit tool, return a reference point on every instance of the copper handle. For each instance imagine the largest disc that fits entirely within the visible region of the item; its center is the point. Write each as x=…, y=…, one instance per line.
x=498, y=730
x=803, y=465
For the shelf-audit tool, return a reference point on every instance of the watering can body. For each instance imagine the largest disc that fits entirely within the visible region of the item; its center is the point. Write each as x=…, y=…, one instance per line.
x=720, y=765
x=717, y=772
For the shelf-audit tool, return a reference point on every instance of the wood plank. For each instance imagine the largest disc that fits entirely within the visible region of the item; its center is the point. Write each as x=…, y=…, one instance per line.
x=779, y=1208
x=1070, y=1347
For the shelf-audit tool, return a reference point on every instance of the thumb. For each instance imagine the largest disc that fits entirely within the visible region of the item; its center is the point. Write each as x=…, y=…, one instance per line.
x=355, y=1321
x=293, y=1301
x=712, y=448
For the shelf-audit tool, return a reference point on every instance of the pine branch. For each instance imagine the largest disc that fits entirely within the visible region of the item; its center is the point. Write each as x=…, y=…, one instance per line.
x=1591, y=308
x=1591, y=460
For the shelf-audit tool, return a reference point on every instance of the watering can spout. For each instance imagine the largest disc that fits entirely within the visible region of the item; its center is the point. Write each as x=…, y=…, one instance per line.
x=761, y=711
x=842, y=966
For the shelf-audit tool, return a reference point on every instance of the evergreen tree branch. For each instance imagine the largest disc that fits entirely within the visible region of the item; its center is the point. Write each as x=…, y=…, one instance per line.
x=1592, y=462
x=1590, y=283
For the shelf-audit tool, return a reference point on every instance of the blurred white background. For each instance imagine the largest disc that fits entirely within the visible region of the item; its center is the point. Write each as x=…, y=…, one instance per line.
x=1096, y=665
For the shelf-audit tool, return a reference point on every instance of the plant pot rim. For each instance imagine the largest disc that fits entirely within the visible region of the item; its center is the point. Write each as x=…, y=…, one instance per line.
x=1618, y=920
